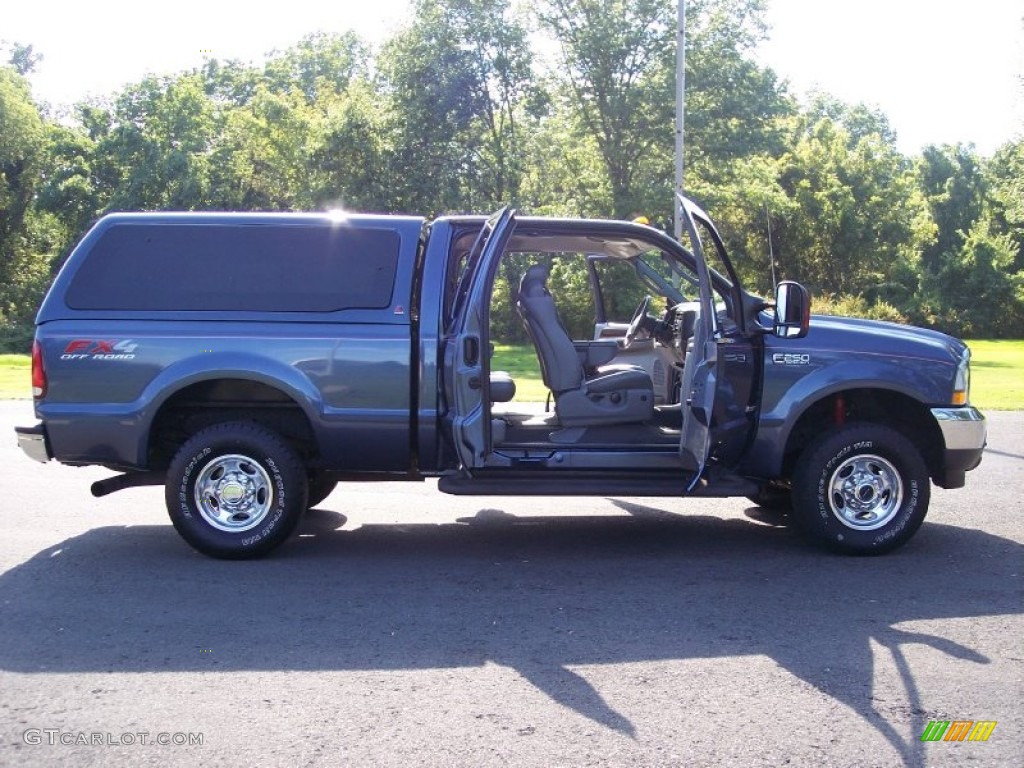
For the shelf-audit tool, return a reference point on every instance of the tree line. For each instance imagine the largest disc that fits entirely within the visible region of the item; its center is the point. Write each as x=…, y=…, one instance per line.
x=558, y=107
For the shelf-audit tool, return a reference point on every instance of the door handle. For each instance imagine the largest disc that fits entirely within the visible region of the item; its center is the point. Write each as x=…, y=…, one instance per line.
x=471, y=350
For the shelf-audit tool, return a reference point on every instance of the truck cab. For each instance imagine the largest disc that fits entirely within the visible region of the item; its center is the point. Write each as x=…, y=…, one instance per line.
x=645, y=404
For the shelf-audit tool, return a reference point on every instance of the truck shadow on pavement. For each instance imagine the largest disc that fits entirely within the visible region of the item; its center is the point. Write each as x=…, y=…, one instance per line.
x=538, y=595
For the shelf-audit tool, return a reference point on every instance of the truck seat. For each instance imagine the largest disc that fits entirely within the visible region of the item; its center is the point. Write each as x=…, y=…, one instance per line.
x=611, y=394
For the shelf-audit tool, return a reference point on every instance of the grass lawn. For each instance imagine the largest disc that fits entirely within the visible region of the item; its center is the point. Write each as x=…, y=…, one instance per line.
x=15, y=377
x=997, y=374
x=521, y=362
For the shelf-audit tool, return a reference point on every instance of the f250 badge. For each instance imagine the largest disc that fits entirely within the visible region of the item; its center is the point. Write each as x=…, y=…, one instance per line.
x=791, y=358
x=100, y=349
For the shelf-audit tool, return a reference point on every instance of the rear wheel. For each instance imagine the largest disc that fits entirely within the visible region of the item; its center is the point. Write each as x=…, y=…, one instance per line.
x=860, y=489
x=236, y=490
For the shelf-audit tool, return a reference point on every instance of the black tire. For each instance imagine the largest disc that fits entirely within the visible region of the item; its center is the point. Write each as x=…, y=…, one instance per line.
x=320, y=488
x=255, y=490
x=774, y=498
x=860, y=489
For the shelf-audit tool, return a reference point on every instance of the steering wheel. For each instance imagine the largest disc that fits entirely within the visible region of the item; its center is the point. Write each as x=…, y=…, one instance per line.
x=637, y=323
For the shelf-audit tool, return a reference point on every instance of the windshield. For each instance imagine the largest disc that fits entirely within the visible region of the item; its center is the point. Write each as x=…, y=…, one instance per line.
x=667, y=276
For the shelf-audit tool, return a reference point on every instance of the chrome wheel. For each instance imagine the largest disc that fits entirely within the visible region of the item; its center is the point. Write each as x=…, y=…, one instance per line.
x=236, y=490
x=865, y=492
x=860, y=488
x=233, y=493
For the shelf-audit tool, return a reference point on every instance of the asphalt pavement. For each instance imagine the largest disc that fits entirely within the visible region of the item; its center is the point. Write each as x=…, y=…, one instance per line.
x=404, y=627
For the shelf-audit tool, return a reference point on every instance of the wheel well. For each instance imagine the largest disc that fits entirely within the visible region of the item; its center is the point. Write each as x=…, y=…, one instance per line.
x=906, y=415
x=205, y=403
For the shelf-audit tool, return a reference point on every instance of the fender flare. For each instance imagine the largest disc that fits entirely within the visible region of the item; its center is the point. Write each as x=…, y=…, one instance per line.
x=235, y=365
x=775, y=427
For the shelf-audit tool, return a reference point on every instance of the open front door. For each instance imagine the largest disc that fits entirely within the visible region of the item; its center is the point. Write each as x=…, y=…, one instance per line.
x=467, y=345
x=700, y=369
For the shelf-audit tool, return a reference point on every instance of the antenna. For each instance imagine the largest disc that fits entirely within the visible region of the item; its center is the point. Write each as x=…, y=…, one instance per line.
x=771, y=248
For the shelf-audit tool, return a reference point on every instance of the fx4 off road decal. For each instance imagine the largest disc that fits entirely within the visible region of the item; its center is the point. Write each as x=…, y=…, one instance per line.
x=100, y=349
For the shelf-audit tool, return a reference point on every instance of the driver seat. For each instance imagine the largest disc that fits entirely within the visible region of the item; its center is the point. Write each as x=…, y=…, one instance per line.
x=611, y=394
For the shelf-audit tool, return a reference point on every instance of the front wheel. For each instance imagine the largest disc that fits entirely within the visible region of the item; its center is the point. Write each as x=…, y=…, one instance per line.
x=860, y=489
x=236, y=490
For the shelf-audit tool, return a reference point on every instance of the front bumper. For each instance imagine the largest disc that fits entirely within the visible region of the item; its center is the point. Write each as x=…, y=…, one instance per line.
x=33, y=442
x=964, y=432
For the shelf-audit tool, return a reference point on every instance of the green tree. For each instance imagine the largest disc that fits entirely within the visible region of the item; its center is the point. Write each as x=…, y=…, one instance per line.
x=24, y=236
x=260, y=160
x=454, y=78
x=859, y=222
x=69, y=190
x=733, y=104
x=613, y=152
x=953, y=185
x=978, y=290
x=153, y=145
x=319, y=64
x=617, y=56
x=351, y=152
x=230, y=83
x=972, y=273
x=22, y=140
x=24, y=58
x=1005, y=174
x=565, y=175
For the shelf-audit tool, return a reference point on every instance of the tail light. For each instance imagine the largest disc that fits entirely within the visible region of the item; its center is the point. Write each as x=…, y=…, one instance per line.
x=38, y=371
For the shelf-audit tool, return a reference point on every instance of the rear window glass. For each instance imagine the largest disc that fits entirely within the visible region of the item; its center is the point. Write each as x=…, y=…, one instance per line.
x=262, y=268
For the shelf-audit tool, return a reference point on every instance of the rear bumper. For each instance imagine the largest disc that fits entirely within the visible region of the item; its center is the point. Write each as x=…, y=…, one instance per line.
x=34, y=443
x=964, y=432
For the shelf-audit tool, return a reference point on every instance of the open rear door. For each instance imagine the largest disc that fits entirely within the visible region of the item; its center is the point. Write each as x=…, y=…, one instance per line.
x=700, y=369
x=467, y=346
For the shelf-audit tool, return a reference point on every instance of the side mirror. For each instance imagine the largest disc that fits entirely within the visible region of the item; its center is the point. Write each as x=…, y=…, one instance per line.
x=792, y=310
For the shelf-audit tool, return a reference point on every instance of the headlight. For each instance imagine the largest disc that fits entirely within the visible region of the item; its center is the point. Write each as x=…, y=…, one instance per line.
x=962, y=384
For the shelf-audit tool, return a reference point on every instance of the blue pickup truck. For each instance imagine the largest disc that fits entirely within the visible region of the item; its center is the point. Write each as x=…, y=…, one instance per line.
x=250, y=362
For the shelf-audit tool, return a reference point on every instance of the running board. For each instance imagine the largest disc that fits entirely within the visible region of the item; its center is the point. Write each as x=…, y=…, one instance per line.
x=716, y=484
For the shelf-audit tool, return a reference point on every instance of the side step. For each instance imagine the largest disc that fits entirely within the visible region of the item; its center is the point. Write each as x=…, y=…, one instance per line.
x=715, y=483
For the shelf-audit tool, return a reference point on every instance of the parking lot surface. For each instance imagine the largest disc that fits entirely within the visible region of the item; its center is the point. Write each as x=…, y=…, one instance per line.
x=404, y=627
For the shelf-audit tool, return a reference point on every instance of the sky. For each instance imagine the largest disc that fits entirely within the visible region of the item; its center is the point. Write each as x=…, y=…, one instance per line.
x=943, y=71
